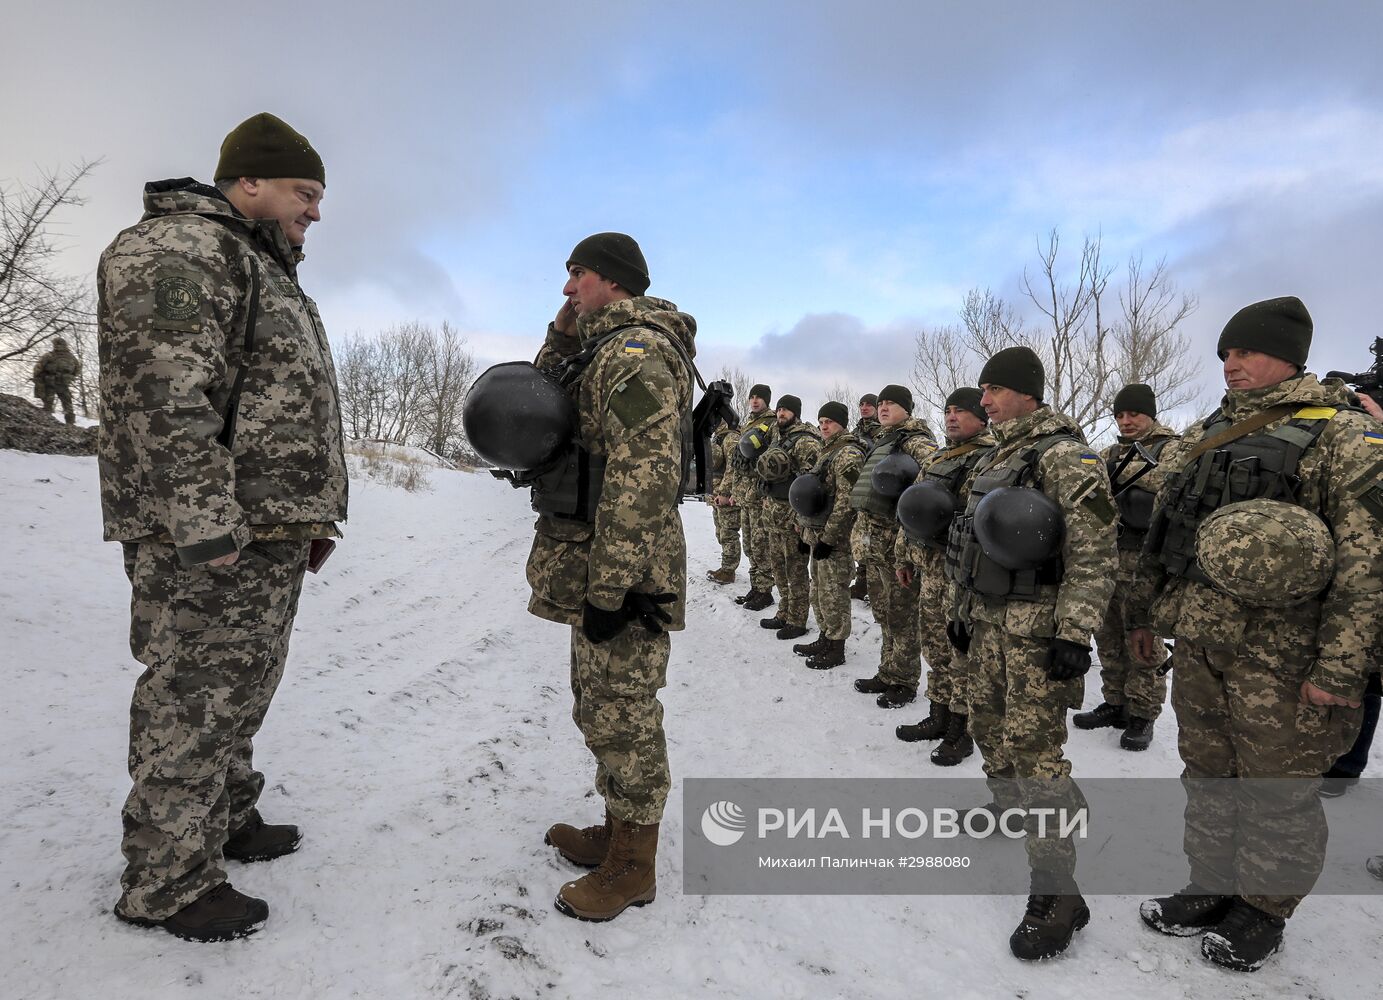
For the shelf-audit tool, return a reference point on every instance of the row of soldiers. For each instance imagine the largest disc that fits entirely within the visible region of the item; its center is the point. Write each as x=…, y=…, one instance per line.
x=999, y=552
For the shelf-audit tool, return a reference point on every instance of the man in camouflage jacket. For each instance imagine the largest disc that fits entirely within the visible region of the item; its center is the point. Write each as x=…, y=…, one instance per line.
x=827, y=536
x=1264, y=687
x=893, y=602
x=1027, y=632
x=742, y=490
x=54, y=374
x=795, y=448
x=221, y=460
x=1133, y=691
x=726, y=516
x=967, y=441
x=866, y=431
x=620, y=579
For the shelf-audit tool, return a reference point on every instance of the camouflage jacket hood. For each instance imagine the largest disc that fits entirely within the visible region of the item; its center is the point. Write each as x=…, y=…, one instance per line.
x=1303, y=390
x=1040, y=423
x=207, y=433
x=640, y=311
x=1156, y=430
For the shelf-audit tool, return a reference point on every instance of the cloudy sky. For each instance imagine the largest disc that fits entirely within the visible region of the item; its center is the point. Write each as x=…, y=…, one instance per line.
x=814, y=181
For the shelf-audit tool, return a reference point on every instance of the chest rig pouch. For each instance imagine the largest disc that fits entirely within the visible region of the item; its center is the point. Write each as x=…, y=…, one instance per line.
x=1258, y=466
x=966, y=562
x=949, y=470
x=864, y=497
x=1135, y=502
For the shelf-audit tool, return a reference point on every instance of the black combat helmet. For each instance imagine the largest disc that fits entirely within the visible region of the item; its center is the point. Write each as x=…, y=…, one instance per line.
x=926, y=509
x=1019, y=527
x=518, y=418
x=807, y=495
x=755, y=439
x=895, y=472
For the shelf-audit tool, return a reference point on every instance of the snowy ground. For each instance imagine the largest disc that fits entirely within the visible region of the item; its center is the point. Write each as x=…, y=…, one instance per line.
x=422, y=738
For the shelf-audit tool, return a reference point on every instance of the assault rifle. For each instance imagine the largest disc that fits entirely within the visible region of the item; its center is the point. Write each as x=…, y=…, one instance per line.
x=1369, y=383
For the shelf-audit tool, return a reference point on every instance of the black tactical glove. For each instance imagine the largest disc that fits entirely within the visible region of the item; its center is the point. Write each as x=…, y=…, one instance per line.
x=803, y=547
x=600, y=625
x=821, y=550
x=958, y=636
x=1067, y=660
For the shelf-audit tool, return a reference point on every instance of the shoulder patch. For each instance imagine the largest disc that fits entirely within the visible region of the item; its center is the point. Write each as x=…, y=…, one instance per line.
x=1098, y=504
x=1315, y=413
x=176, y=298
x=1373, y=437
x=1089, y=459
x=635, y=347
x=632, y=402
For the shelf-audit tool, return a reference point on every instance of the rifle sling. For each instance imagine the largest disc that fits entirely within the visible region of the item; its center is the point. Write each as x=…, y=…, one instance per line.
x=1243, y=428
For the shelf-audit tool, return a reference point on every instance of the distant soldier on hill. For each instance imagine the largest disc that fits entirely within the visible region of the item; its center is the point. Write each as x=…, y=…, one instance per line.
x=54, y=374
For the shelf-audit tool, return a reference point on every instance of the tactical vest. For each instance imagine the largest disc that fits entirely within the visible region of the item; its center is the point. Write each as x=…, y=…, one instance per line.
x=1135, y=503
x=571, y=489
x=864, y=497
x=950, y=469
x=1257, y=466
x=819, y=470
x=966, y=562
x=780, y=489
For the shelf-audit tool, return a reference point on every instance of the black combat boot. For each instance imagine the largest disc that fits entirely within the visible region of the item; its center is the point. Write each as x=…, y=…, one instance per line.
x=1049, y=923
x=1335, y=783
x=220, y=914
x=261, y=841
x=957, y=744
x=831, y=655
x=1138, y=734
x=896, y=696
x=774, y=623
x=759, y=601
x=933, y=727
x=1244, y=939
x=870, y=685
x=810, y=648
x=859, y=590
x=791, y=632
x=1191, y=911
x=746, y=596
x=1102, y=716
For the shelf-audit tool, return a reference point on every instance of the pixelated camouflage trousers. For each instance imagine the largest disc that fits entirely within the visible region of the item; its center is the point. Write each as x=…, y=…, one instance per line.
x=895, y=609
x=727, y=520
x=213, y=641
x=64, y=395
x=1124, y=680
x=945, y=669
x=790, y=565
x=831, y=578
x=1241, y=716
x=859, y=542
x=1018, y=720
x=756, y=546
x=614, y=688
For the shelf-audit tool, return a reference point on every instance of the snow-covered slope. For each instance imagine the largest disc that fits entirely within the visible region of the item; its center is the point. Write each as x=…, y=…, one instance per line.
x=423, y=740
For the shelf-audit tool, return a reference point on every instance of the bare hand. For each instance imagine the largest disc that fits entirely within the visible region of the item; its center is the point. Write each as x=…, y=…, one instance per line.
x=904, y=575
x=565, y=323
x=1312, y=695
x=1145, y=647
x=224, y=560
x=1368, y=403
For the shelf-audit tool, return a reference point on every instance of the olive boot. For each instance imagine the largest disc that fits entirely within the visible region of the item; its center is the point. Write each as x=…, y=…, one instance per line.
x=627, y=877
x=586, y=847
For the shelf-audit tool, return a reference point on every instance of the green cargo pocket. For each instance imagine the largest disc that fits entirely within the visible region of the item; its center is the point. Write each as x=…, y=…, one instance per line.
x=557, y=563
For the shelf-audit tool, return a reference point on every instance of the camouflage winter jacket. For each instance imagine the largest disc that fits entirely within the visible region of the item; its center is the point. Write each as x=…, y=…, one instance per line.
x=838, y=465
x=1325, y=640
x=720, y=458
x=920, y=443
x=1073, y=476
x=914, y=553
x=631, y=402
x=56, y=369
x=177, y=460
x=1164, y=442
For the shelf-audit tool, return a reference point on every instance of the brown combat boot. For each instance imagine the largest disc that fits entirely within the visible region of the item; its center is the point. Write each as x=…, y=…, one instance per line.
x=721, y=576
x=586, y=847
x=627, y=877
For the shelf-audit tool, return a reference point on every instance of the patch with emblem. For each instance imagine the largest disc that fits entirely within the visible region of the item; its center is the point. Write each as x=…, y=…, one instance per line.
x=1373, y=437
x=176, y=298
x=1088, y=459
x=634, y=347
x=632, y=402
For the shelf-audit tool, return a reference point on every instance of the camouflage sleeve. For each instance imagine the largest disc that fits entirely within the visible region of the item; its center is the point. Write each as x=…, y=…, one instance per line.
x=1353, y=508
x=166, y=321
x=640, y=400
x=1076, y=479
x=844, y=470
x=556, y=347
x=729, y=480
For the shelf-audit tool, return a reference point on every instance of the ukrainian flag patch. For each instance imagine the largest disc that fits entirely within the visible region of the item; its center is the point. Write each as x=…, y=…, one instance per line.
x=634, y=346
x=1373, y=437
x=1088, y=459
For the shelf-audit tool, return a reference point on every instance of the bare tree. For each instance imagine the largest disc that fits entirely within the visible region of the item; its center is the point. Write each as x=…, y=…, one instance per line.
x=1150, y=347
x=448, y=372
x=36, y=302
x=843, y=392
x=944, y=358
x=740, y=382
